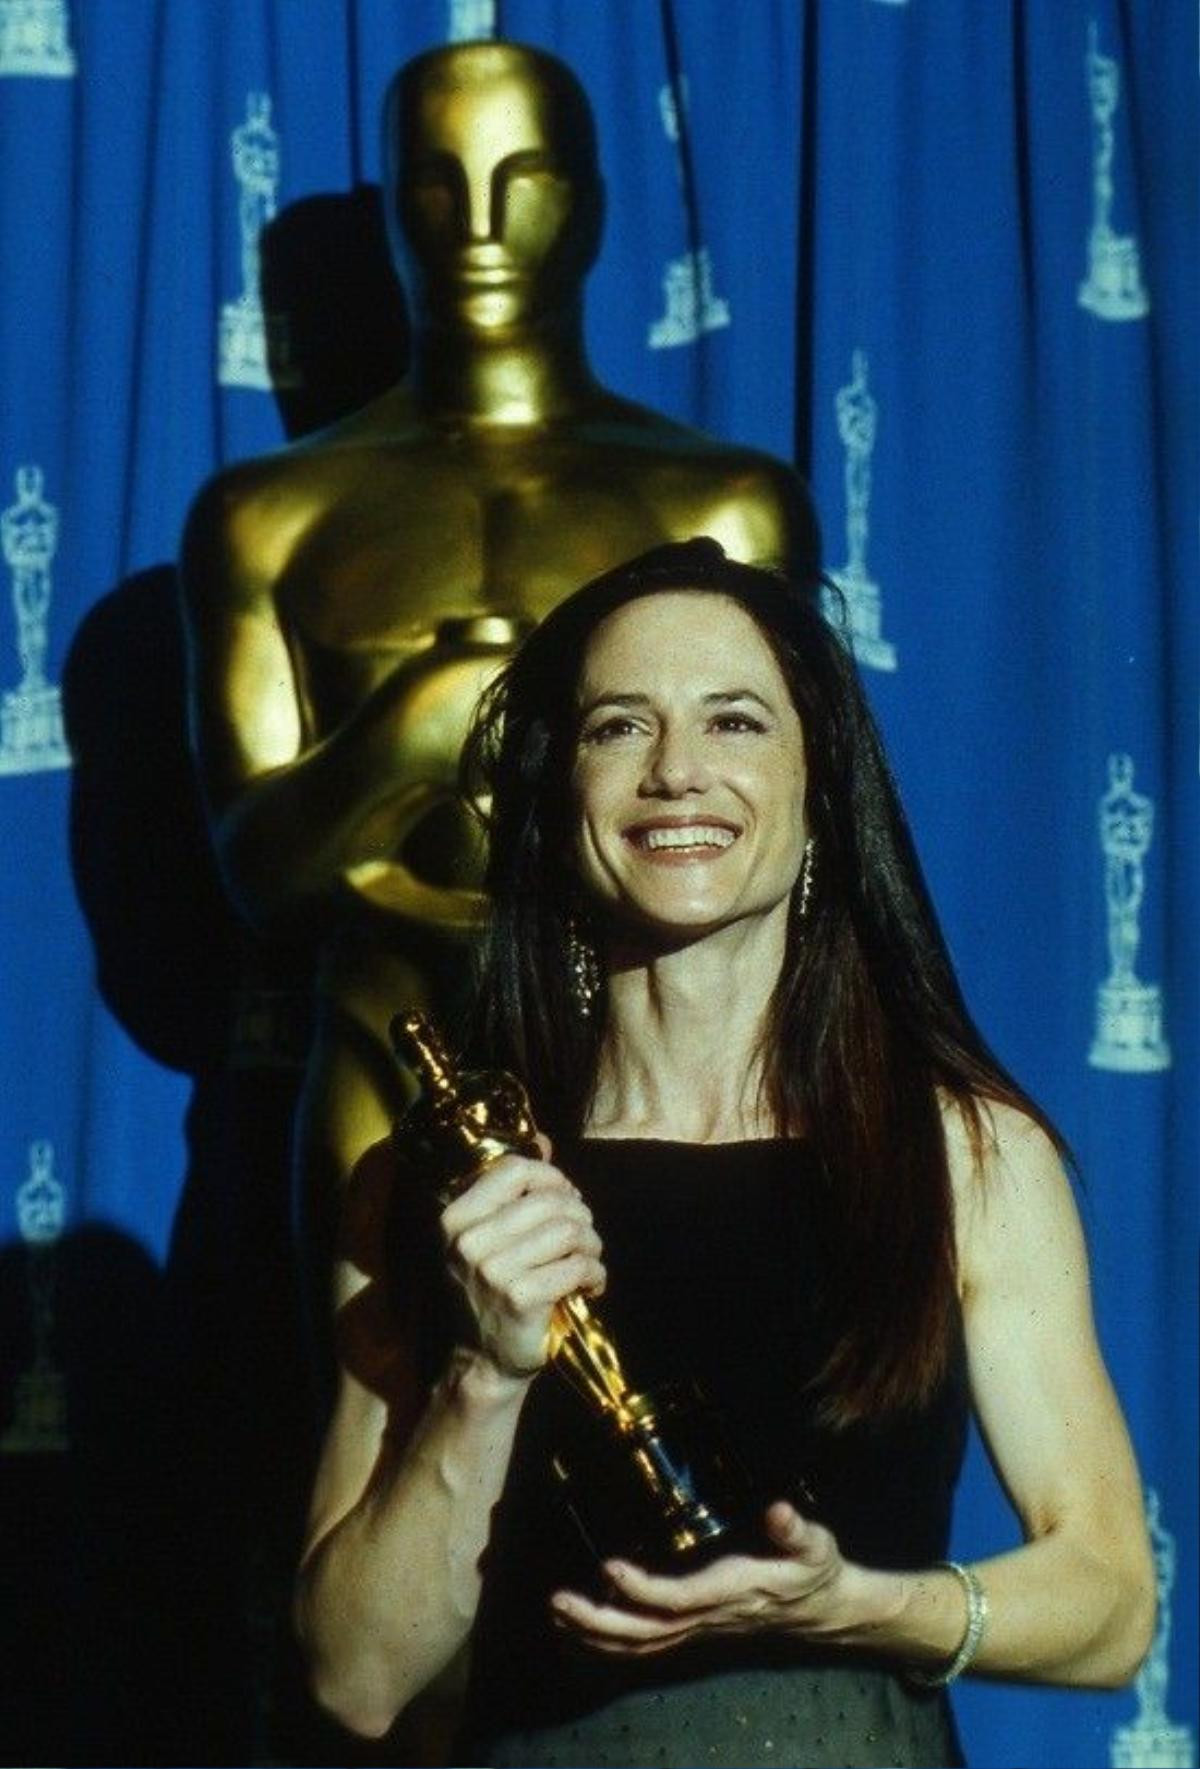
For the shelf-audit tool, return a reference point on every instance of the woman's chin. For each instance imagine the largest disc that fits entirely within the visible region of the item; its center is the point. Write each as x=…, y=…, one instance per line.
x=645, y=932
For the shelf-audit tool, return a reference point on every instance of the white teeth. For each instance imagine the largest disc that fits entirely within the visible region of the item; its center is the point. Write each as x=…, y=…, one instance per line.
x=692, y=835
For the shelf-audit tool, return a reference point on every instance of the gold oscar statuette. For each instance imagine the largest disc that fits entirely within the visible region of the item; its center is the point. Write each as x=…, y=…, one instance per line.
x=461, y=1122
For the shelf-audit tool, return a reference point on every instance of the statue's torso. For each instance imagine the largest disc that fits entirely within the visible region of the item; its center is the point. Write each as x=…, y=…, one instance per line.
x=405, y=535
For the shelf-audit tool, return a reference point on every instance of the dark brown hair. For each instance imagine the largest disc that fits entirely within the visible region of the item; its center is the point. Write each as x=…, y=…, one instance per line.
x=867, y=1022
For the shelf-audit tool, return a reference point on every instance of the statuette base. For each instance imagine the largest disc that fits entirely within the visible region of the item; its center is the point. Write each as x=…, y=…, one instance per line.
x=1129, y=1034
x=1149, y=1746
x=864, y=609
x=31, y=731
x=1113, y=289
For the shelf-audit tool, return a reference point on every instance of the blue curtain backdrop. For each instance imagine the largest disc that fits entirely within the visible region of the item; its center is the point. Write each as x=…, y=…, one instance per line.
x=942, y=255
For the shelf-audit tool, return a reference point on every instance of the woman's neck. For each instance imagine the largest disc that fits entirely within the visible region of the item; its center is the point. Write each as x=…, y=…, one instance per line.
x=681, y=1056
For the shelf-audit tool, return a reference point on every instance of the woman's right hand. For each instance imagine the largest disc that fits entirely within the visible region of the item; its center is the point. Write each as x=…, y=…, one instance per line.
x=519, y=1240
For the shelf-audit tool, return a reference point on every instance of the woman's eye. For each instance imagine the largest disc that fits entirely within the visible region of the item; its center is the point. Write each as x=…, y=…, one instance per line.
x=737, y=722
x=607, y=730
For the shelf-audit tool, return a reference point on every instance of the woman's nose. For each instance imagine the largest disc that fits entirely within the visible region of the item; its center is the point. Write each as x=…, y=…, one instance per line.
x=676, y=765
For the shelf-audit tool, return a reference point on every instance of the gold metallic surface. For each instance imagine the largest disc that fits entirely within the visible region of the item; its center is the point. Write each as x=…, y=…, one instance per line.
x=459, y=1125
x=346, y=597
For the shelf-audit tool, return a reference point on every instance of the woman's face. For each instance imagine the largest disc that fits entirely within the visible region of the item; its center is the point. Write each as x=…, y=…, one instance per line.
x=689, y=771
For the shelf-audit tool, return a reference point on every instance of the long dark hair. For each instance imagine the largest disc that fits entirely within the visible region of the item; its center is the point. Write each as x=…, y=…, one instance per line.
x=867, y=1024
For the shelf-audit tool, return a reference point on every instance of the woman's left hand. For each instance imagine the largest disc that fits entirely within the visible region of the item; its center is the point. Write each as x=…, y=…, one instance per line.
x=799, y=1590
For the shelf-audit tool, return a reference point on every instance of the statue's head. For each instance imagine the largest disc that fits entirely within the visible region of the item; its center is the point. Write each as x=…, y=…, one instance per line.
x=491, y=184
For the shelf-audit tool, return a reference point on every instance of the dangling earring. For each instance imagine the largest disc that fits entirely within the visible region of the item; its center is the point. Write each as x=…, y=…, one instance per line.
x=583, y=968
x=806, y=877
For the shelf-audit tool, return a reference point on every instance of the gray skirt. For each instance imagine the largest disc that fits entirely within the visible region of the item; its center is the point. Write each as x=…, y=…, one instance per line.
x=851, y=1717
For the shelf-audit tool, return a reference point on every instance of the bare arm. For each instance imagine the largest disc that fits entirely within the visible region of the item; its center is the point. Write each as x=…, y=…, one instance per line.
x=390, y=1580
x=1074, y=1604
x=388, y=1590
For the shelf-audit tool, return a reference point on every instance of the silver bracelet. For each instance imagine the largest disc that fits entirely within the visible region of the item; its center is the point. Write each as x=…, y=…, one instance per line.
x=977, y=1615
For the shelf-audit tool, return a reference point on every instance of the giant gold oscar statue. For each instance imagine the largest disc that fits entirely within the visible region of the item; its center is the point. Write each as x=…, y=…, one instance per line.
x=346, y=598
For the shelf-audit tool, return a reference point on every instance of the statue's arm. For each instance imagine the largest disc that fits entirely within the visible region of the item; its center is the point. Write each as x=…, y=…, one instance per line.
x=286, y=813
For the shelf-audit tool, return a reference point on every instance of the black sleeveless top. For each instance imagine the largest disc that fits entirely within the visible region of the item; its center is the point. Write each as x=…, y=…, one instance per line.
x=717, y=1263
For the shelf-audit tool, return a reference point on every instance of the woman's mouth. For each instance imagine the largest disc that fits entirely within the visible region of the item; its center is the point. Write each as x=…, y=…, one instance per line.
x=682, y=839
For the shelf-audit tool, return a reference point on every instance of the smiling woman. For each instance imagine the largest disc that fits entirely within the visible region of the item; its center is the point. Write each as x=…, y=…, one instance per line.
x=689, y=774
x=784, y=1152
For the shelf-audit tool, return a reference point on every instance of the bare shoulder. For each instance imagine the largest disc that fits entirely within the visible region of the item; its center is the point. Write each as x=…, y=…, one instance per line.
x=1013, y=1199
x=1009, y=1143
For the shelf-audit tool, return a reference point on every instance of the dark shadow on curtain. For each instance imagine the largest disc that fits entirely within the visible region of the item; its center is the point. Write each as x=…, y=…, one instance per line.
x=229, y=1399
x=326, y=265
x=208, y=1443
x=165, y=940
x=210, y=1555
x=87, y=1599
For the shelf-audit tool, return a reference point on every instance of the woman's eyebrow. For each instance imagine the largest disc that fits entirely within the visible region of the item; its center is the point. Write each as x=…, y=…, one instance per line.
x=605, y=698
x=717, y=697
x=721, y=695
